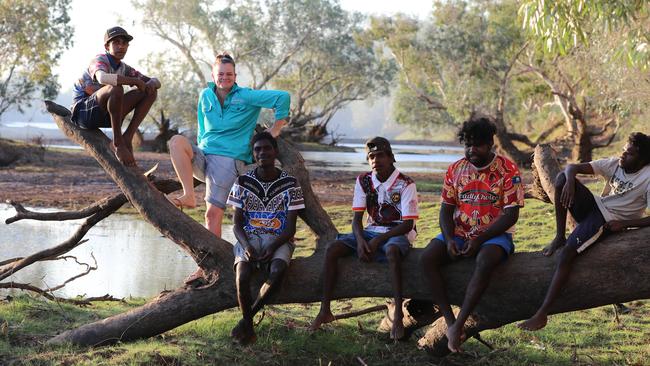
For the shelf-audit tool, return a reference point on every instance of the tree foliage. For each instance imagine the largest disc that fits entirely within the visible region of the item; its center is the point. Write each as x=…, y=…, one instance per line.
x=559, y=26
x=453, y=62
x=308, y=48
x=34, y=34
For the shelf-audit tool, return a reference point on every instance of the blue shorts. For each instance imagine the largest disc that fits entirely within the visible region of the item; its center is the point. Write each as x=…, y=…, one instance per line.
x=504, y=241
x=87, y=113
x=401, y=241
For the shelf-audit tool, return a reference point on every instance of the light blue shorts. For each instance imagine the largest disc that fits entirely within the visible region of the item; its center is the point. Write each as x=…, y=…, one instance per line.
x=400, y=241
x=218, y=173
x=504, y=241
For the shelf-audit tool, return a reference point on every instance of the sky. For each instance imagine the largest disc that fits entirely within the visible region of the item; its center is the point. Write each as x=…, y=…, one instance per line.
x=91, y=18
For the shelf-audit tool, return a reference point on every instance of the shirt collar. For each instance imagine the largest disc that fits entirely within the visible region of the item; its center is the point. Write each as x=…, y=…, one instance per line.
x=212, y=85
x=115, y=64
x=388, y=183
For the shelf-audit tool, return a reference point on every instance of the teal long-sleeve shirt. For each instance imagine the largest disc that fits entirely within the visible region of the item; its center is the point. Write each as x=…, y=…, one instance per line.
x=227, y=131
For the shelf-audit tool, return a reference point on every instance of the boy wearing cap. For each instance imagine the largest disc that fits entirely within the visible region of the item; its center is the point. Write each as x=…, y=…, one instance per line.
x=481, y=196
x=99, y=98
x=390, y=198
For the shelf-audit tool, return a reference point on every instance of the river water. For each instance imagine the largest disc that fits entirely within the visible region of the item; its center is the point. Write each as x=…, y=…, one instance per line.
x=134, y=259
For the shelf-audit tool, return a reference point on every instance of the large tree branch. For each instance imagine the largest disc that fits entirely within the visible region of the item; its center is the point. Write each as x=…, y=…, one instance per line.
x=597, y=279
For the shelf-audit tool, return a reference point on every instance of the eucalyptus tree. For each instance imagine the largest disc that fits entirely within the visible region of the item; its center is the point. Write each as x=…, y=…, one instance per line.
x=561, y=25
x=308, y=48
x=458, y=61
x=34, y=35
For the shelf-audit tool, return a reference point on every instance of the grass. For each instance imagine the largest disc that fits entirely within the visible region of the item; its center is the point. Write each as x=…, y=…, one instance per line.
x=577, y=338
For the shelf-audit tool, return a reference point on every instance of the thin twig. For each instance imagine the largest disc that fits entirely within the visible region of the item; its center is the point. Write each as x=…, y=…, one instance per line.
x=361, y=312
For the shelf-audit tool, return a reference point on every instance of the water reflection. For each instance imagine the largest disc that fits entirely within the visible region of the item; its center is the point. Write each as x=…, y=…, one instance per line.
x=410, y=158
x=133, y=258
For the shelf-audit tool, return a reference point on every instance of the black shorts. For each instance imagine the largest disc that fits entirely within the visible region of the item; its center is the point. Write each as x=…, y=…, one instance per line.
x=87, y=113
x=591, y=223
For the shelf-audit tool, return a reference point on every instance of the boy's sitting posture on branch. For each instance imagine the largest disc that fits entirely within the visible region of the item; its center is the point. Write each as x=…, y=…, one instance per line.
x=266, y=202
x=627, y=196
x=391, y=200
x=481, y=197
x=99, y=98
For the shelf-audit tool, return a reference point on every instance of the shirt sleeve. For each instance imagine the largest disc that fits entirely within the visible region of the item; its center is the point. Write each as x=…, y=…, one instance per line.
x=513, y=187
x=278, y=100
x=100, y=62
x=200, y=116
x=236, y=196
x=131, y=72
x=449, y=188
x=409, y=203
x=604, y=167
x=296, y=200
x=359, y=198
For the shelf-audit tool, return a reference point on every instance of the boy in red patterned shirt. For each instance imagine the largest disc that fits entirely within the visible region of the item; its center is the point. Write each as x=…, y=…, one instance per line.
x=391, y=200
x=481, y=197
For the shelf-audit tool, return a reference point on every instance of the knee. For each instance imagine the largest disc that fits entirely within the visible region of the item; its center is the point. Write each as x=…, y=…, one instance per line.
x=392, y=253
x=152, y=95
x=177, y=142
x=429, y=256
x=484, y=266
x=560, y=180
x=243, y=272
x=276, y=274
x=213, y=214
x=116, y=91
x=331, y=254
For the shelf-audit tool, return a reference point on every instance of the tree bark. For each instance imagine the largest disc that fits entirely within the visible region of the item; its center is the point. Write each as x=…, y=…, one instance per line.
x=516, y=290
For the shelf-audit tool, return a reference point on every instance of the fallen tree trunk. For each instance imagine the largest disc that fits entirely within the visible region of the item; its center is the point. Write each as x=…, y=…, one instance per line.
x=516, y=290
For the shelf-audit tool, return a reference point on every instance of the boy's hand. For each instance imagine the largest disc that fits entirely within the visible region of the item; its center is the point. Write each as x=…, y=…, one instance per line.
x=363, y=251
x=471, y=247
x=452, y=249
x=568, y=193
x=251, y=253
x=268, y=252
x=139, y=84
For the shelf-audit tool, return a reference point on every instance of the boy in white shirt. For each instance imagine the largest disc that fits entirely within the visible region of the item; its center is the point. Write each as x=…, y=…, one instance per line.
x=628, y=195
x=391, y=200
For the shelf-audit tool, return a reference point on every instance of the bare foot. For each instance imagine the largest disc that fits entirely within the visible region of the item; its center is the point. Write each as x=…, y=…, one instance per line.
x=124, y=155
x=238, y=331
x=247, y=333
x=455, y=337
x=556, y=244
x=538, y=321
x=182, y=201
x=322, y=318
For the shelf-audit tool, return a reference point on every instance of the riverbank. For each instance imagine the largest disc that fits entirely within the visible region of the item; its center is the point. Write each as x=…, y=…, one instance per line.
x=589, y=337
x=71, y=179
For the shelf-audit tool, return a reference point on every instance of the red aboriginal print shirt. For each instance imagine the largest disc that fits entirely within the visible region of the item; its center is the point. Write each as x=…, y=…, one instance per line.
x=481, y=194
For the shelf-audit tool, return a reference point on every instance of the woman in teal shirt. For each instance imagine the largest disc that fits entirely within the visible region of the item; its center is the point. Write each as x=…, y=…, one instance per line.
x=227, y=115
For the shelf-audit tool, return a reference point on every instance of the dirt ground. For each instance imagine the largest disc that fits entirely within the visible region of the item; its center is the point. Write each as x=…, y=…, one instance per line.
x=72, y=179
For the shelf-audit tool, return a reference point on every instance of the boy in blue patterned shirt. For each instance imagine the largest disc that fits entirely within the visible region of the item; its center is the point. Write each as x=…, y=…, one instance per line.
x=266, y=202
x=100, y=100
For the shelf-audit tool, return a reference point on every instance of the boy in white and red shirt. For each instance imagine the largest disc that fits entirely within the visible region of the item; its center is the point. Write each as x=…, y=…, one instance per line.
x=481, y=197
x=391, y=200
